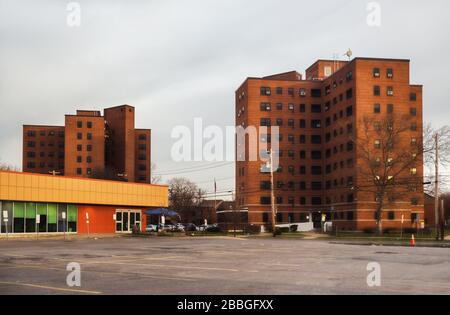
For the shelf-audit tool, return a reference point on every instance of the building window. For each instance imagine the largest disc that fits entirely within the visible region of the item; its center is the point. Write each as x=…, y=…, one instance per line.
x=315, y=124
x=79, y=159
x=31, y=144
x=89, y=171
x=79, y=124
x=291, y=107
x=390, y=73
x=316, y=108
x=266, y=91
x=142, y=146
x=279, y=122
x=279, y=90
x=390, y=108
x=413, y=127
x=265, y=107
x=302, y=139
x=302, y=123
x=376, y=90
x=265, y=217
x=316, y=139
x=89, y=159
x=316, y=201
x=88, y=148
x=279, y=106
x=316, y=155
x=265, y=122
x=302, y=92
x=377, y=144
x=413, y=111
x=142, y=157
x=377, y=108
x=413, y=171
x=349, y=111
x=79, y=171
x=142, y=137
x=79, y=147
x=265, y=200
x=303, y=155
x=89, y=136
x=376, y=72
x=291, y=123
x=414, y=201
x=303, y=200
x=290, y=91
x=79, y=136
x=31, y=133
x=412, y=97
x=31, y=165
x=302, y=108
x=316, y=170
x=316, y=93
x=390, y=91
x=349, y=76
x=391, y=215
x=349, y=94
x=89, y=124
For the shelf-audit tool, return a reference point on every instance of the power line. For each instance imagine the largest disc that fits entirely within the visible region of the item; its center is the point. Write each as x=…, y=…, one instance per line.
x=193, y=169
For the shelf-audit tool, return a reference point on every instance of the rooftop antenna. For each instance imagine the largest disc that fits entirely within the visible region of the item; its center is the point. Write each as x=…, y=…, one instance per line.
x=349, y=54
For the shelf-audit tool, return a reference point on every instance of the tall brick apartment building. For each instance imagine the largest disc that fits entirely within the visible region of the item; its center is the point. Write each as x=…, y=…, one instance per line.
x=319, y=165
x=91, y=145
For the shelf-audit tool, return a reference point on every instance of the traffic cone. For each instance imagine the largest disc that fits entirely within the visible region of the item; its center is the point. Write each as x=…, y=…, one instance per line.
x=413, y=241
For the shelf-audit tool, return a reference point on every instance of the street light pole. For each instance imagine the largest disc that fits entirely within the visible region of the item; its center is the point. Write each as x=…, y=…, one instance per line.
x=274, y=218
x=436, y=187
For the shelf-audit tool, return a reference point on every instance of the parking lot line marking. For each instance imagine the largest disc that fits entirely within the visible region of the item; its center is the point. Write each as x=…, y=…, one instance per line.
x=127, y=274
x=20, y=284
x=161, y=266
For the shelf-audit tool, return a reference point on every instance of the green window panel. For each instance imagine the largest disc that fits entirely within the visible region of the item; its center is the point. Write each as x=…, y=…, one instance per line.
x=52, y=214
x=72, y=213
x=19, y=210
x=42, y=208
x=30, y=210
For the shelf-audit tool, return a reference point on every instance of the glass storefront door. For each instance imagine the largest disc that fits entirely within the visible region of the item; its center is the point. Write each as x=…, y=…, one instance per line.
x=126, y=220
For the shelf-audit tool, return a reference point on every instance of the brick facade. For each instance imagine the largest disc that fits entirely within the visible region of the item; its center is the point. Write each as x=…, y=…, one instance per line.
x=319, y=119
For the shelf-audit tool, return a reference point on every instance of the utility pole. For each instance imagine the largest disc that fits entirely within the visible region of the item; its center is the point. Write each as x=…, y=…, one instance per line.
x=274, y=216
x=436, y=187
x=442, y=218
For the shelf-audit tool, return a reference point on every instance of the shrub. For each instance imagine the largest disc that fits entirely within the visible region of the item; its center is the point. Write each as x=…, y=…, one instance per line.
x=283, y=230
x=294, y=228
x=253, y=229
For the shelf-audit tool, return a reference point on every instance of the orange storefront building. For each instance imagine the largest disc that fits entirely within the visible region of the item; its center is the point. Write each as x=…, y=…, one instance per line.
x=35, y=203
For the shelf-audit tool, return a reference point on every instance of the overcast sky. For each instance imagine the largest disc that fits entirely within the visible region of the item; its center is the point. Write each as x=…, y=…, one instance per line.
x=176, y=60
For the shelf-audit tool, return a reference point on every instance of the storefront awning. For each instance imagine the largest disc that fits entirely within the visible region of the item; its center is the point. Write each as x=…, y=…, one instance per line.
x=162, y=211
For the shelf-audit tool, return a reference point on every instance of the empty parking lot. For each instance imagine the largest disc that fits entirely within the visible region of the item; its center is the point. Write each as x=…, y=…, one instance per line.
x=173, y=265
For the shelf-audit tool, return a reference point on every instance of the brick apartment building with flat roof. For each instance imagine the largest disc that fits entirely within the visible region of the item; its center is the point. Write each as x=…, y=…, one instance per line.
x=320, y=118
x=90, y=145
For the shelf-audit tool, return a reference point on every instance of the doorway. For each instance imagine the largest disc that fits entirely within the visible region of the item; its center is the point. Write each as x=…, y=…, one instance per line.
x=126, y=220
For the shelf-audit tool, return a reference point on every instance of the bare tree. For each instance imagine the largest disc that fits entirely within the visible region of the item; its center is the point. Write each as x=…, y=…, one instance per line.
x=429, y=150
x=9, y=167
x=155, y=179
x=184, y=196
x=388, y=160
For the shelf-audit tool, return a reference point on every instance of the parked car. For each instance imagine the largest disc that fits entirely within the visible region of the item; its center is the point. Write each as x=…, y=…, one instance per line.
x=214, y=228
x=167, y=227
x=190, y=227
x=179, y=227
x=151, y=228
